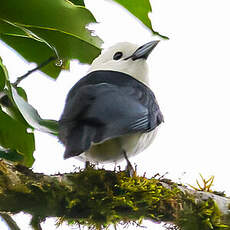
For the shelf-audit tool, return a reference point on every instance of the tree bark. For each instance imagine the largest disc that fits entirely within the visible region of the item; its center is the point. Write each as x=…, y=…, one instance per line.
x=98, y=198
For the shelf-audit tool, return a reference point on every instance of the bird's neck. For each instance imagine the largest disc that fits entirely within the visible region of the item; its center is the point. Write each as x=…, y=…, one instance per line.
x=138, y=71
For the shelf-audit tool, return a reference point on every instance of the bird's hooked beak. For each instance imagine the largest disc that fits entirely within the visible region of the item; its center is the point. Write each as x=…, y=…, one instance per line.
x=143, y=51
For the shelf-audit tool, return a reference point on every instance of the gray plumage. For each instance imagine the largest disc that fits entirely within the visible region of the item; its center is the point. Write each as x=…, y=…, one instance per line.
x=101, y=109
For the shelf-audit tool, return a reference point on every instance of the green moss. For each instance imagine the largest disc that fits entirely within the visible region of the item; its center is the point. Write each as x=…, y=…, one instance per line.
x=98, y=198
x=106, y=197
x=197, y=215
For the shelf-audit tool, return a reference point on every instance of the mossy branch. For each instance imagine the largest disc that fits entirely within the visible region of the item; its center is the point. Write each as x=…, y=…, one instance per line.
x=98, y=198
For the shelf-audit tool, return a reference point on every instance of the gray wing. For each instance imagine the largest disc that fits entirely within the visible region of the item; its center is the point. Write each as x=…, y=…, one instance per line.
x=95, y=113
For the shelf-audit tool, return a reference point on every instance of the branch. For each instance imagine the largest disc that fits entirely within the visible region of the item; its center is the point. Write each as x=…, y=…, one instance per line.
x=10, y=222
x=98, y=198
x=19, y=79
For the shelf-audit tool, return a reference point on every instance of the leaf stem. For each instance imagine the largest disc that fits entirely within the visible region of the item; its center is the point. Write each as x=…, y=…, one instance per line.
x=19, y=79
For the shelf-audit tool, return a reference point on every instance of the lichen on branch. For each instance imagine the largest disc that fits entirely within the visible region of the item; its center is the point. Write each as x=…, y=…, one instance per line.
x=99, y=197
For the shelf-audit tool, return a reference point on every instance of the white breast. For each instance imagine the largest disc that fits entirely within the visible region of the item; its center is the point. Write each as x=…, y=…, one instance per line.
x=112, y=150
x=137, y=143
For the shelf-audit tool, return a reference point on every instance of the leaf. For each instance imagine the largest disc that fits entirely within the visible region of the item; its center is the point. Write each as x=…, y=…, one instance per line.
x=73, y=46
x=9, y=29
x=52, y=125
x=57, y=23
x=33, y=51
x=14, y=136
x=2, y=75
x=8, y=103
x=55, y=14
x=32, y=117
x=11, y=155
x=22, y=93
x=23, y=112
x=140, y=9
x=2, y=79
x=78, y=2
x=18, y=143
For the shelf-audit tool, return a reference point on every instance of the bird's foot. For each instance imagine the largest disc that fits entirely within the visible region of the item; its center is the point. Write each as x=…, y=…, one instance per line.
x=87, y=164
x=129, y=168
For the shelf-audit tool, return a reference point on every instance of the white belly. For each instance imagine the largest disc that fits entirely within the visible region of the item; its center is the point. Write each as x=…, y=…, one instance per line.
x=113, y=150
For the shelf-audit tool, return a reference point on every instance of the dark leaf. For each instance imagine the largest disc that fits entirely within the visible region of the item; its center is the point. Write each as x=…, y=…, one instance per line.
x=11, y=155
x=78, y=2
x=14, y=135
x=2, y=75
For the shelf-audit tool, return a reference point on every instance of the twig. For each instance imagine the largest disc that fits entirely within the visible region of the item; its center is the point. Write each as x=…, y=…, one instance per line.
x=10, y=222
x=19, y=79
x=35, y=223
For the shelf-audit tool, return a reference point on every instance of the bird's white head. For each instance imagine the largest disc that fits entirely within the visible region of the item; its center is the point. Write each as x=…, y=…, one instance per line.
x=127, y=58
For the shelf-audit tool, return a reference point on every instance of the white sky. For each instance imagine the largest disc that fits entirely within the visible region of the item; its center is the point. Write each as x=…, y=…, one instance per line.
x=189, y=74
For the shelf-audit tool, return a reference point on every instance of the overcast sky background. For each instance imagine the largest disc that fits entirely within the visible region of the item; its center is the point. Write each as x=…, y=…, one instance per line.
x=189, y=75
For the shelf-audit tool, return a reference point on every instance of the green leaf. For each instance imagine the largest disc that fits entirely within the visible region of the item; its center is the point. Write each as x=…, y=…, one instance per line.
x=22, y=93
x=51, y=125
x=14, y=136
x=78, y=2
x=32, y=117
x=3, y=75
x=7, y=101
x=56, y=14
x=58, y=23
x=9, y=29
x=33, y=51
x=140, y=9
x=11, y=155
x=18, y=143
x=71, y=48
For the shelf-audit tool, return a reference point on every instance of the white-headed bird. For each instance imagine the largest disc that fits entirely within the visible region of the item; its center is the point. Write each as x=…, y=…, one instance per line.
x=111, y=113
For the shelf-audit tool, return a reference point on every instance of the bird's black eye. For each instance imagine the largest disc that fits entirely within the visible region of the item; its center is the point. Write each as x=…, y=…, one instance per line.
x=117, y=55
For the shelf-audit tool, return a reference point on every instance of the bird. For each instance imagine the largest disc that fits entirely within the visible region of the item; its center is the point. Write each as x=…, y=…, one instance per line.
x=111, y=114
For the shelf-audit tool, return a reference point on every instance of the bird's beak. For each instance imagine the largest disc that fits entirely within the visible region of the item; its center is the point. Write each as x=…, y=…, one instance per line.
x=143, y=51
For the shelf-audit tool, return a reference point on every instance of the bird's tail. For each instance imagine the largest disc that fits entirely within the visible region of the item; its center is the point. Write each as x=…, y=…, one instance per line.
x=78, y=141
